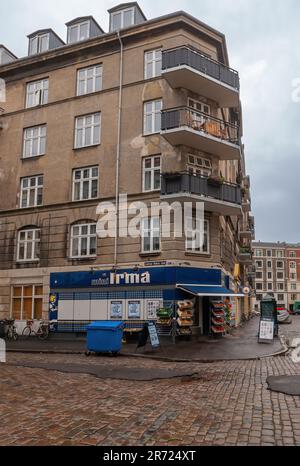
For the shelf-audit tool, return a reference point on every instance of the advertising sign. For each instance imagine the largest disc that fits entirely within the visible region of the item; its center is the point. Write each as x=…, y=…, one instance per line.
x=134, y=309
x=152, y=307
x=266, y=330
x=116, y=310
x=153, y=335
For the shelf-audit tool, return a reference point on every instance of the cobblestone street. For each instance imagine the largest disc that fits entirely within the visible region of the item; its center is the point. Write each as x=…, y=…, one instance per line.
x=226, y=403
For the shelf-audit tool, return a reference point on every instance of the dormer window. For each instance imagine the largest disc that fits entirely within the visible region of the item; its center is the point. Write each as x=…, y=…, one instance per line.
x=122, y=19
x=78, y=32
x=39, y=44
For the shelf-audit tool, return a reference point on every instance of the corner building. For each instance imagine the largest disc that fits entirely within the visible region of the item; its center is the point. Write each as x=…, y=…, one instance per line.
x=151, y=109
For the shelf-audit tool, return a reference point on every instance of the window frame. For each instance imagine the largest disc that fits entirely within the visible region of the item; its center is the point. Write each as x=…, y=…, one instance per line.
x=152, y=171
x=39, y=38
x=32, y=138
x=153, y=114
x=151, y=229
x=153, y=61
x=81, y=181
x=81, y=236
x=77, y=26
x=34, y=296
x=122, y=12
x=42, y=92
x=85, y=80
x=26, y=241
x=206, y=231
x=30, y=188
x=84, y=128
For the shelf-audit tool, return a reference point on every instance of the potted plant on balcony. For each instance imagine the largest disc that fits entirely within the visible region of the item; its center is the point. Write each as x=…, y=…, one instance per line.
x=215, y=180
x=245, y=250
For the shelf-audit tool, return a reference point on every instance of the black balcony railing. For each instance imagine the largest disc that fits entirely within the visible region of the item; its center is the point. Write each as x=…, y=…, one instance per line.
x=183, y=182
x=191, y=57
x=207, y=125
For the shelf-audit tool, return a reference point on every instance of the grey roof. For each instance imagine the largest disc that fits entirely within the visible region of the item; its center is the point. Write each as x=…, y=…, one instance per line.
x=45, y=31
x=123, y=6
x=8, y=51
x=84, y=18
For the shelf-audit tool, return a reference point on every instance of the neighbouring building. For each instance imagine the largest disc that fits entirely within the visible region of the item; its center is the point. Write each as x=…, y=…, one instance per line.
x=277, y=272
x=152, y=109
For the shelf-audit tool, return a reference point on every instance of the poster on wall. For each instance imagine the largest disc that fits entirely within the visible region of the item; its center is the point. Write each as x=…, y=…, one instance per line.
x=152, y=307
x=116, y=310
x=134, y=309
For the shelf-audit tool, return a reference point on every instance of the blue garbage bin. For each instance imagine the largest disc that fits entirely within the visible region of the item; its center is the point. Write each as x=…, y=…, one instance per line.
x=105, y=337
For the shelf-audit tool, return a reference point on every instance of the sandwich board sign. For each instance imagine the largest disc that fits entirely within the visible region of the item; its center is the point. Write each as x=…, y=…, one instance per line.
x=266, y=331
x=149, y=330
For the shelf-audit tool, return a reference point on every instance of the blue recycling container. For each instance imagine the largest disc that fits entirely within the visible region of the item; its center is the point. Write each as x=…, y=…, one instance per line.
x=105, y=337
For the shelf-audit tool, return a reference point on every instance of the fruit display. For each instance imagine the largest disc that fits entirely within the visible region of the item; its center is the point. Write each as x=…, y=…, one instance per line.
x=185, y=317
x=164, y=321
x=218, y=317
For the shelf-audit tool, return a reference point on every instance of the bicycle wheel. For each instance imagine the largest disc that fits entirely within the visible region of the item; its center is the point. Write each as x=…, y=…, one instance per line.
x=26, y=332
x=44, y=333
x=15, y=335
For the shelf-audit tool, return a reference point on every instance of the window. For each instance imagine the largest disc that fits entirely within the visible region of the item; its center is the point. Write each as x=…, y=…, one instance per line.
x=85, y=183
x=259, y=297
x=197, y=236
x=292, y=254
x=83, y=241
x=37, y=93
x=259, y=286
x=87, y=130
x=293, y=286
x=152, y=117
x=293, y=265
x=293, y=276
x=78, y=32
x=270, y=275
x=199, y=166
x=153, y=64
x=29, y=245
x=199, y=107
x=269, y=264
x=293, y=297
x=270, y=286
x=259, y=253
x=122, y=19
x=269, y=253
x=31, y=191
x=89, y=80
x=280, y=297
x=280, y=286
x=152, y=169
x=279, y=265
x=151, y=235
x=27, y=302
x=259, y=275
x=39, y=44
x=280, y=276
x=279, y=253
x=34, y=141
x=259, y=264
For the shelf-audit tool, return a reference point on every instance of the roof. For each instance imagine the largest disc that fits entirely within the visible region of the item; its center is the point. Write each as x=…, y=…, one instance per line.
x=44, y=31
x=123, y=6
x=84, y=18
x=8, y=51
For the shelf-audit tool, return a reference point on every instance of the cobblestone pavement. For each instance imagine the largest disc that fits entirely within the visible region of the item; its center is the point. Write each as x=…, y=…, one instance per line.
x=226, y=404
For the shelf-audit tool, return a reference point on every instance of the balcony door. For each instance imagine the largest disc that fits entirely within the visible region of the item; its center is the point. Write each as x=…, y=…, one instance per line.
x=199, y=109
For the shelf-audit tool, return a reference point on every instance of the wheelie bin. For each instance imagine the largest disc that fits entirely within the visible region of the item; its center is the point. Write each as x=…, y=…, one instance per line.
x=105, y=337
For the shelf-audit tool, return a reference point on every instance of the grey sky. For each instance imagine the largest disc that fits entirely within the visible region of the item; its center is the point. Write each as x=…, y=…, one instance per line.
x=263, y=38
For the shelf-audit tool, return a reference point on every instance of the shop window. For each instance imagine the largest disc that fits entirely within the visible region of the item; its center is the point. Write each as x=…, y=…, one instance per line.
x=152, y=117
x=85, y=183
x=37, y=93
x=89, y=80
x=87, y=130
x=152, y=170
x=83, y=241
x=32, y=191
x=151, y=235
x=153, y=63
x=34, y=141
x=27, y=302
x=29, y=245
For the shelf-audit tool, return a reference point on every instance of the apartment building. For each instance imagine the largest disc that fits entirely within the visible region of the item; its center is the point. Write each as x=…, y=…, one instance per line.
x=150, y=109
x=277, y=272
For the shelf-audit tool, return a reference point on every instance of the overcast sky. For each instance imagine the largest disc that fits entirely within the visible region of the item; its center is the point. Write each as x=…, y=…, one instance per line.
x=263, y=39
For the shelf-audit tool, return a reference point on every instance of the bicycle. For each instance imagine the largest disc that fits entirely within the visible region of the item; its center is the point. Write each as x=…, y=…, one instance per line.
x=42, y=332
x=11, y=331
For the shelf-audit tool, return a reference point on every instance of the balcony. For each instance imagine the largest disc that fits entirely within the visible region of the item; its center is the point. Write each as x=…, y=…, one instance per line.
x=247, y=230
x=185, y=126
x=246, y=205
x=188, y=68
x=245, y=256
x=224, y=199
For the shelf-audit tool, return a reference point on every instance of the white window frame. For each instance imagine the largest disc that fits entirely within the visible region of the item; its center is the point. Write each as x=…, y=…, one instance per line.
x=83, y=180
x=153, y=113
x=152, y=57
x=77, y=26
x=153, y=170
x=193, y=249
x=122, y=12
x=277, y=276
x=282, y=266
x=80, y=237
x=39, y=93
x=86, y=78
x=84, y=128
x=294, y=286
x=270, y=276
x=293, y=254
x=201, y=166
x=22, y=297
x=39, y=38
x=25, y=191
x=293, y=276
x=258, y=253
x=293, y=265
x=268, y=265
x=151, y=226
x=29, y=136
x=36, y=240
x=259, y=266
x=270, y=286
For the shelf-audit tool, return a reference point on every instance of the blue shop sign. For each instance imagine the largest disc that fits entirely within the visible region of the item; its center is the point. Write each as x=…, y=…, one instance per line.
x=143, y=277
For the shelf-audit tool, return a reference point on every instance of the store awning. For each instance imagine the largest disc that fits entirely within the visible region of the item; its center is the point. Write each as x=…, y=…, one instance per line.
x=207, y=290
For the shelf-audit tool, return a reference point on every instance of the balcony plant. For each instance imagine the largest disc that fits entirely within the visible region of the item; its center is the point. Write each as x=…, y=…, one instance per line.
x=245, y=250
x=215, y=180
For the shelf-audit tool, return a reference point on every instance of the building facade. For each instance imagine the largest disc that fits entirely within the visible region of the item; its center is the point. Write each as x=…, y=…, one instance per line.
x=277, y=272
x=150, y=109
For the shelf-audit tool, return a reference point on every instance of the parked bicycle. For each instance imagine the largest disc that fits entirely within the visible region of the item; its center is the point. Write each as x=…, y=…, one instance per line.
x=42, y=332
x=11, y=331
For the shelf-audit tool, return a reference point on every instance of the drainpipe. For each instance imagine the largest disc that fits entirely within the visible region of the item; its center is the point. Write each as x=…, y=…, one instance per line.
x=118, y=151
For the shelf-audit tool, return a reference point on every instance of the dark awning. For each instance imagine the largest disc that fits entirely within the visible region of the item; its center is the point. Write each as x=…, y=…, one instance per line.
x=207, y=290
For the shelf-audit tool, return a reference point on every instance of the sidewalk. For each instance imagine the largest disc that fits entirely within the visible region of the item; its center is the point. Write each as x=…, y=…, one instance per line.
x=241, y=345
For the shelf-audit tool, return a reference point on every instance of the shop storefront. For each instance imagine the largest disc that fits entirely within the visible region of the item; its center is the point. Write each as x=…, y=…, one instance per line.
x=135, y=296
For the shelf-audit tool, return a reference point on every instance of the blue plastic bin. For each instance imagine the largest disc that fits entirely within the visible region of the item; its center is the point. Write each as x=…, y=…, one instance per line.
x=105, y=337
